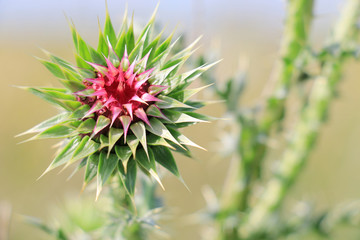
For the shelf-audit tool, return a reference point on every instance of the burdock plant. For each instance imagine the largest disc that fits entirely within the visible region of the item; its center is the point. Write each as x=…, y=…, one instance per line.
x=123, y=104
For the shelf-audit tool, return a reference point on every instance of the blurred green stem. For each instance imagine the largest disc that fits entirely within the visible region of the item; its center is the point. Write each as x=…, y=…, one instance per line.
x=307, y=129
x=252, y=144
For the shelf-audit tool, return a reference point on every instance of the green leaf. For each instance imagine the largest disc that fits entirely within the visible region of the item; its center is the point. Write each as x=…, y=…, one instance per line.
x=86, y=126
x=128, y=177
x=177, y=63
x=104, y=141
x=154, y=111
x=98, y=106
x=162, y=77
x=200, y=104
x=188, y=77
x=76, y=153
x=164, y=45
x=148, y=163
x=59, y=93
x=73, y=124
x=130, y=38
x=89, y=148
x=152, y=47
x=113, y=57
x=114, y=135
x=72, y=85
x=120, y=46
x=72, y=105
x=124, y=153
x=165, y=158
x=179, y=59
x=87, y=92
x=86, y=73
x=101, y=123
x=78, y=168
x=73, y=75
x=102, y=44
x=74, y=34
x=109, y=32
x=64, y=156
x=62, y=117
x=147, y=29
x=139, y=131
x=184, y=150
x=91, y=169
x=83, y=50
x=80, y=62
x=97, y=57
x=168, y=102
x=152, y=139
x=121, y=42
x=159, y=129
x=51, y=98
x=53, y=68
x=80, y=112
x=144, y=161
x=160, y=58
x=139, y=45
x=183, y=139
x=57, y=131
x=59, y=61
x=200, y=116
x=132, y=142
x=186, y=94
x=106, y=167
x=182, y=56
x=181, y=117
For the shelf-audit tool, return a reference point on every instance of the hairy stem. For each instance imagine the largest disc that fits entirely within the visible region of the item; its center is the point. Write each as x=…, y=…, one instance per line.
x=252, y=142
x=252, y=146
x=295, y=40
x=311, y=119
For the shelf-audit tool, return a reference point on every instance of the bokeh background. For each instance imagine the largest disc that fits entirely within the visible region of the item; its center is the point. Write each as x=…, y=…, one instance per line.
x=248, y=29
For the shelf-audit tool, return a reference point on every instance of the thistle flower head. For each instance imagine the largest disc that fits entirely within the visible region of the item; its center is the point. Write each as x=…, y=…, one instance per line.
x=123, y=105
x=122, y=94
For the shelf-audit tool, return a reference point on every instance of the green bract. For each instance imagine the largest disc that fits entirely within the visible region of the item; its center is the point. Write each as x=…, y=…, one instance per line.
x=123, y=103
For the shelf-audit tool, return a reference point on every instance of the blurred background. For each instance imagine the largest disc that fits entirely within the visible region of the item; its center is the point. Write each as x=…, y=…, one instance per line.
x=239, y=28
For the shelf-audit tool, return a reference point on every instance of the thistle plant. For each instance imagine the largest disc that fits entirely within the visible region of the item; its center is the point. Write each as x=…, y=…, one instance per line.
x=123, y=105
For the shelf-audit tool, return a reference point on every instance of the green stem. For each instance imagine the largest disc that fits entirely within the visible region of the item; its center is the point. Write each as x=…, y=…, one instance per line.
x=295, y=39
x=252, y=146
x=307, y=128
x=252, y=143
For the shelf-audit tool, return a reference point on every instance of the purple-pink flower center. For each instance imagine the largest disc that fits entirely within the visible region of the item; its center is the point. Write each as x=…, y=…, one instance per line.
x=115, y=93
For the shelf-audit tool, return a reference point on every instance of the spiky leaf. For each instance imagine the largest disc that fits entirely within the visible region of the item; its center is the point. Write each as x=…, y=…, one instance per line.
x=106, y=167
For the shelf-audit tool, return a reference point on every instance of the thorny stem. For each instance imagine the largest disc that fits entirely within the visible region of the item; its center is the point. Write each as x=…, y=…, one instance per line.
x=252, y=144
x=295, y=39
x=306, y=131
x=122, y=200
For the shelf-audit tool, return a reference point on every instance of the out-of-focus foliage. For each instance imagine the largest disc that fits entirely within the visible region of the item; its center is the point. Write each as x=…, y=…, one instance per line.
x=112, y=217
x=251, y=205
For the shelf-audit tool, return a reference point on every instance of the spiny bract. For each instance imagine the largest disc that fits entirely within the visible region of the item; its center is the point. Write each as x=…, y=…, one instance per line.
x=123, y=112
